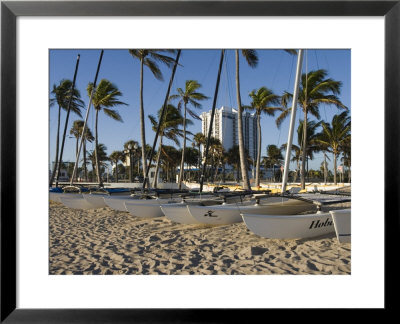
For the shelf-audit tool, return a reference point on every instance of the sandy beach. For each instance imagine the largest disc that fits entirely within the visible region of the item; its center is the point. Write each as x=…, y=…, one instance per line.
x=104, y=241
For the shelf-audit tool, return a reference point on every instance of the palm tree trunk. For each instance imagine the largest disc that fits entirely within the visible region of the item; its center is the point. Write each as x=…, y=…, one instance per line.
x=334, y=168
x=243, y=164
x=116, y=171
x=304, y=150
x=157, y=163
x=95, y=148
x=258, y=151
x=76, y=154
x=183, y=150
x=84, y=159
x=142, y=125
x=200, y=158
x=57, y=145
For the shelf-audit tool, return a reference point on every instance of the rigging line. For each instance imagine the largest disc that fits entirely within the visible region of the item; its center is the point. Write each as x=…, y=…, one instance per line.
x=291, y=71
x=230, y=90
x=227, y=93
x=276, y=71
x=316, y=59
x=209, y=67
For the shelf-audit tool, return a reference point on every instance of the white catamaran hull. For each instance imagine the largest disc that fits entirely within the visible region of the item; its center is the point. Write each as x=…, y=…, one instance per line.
x=230, y=213
x=117, y=202
x=289, y=226
x=179, y=213
x=342, y=223
x=96, y=200
x=76, y=201
x=148, y=208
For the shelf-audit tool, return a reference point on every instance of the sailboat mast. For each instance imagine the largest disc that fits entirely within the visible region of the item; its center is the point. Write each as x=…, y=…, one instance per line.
x=145, y=180
x=57, y=167
x=211, y=120
x=86, y=118
x=292, y=120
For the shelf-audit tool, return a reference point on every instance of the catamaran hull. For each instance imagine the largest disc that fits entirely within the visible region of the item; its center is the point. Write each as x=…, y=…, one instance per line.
x=117, y=202
x=147, y=208
x=342, y=223
x=76, y=201
x=289, y=226
x=230, y=213
x=178, y=213
x=96, y=200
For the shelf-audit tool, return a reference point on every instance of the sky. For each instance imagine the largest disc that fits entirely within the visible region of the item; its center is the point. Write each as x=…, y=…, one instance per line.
x=276, y=70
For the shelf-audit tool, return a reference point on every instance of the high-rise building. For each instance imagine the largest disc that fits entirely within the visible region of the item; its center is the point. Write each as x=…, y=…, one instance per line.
x=225, y=128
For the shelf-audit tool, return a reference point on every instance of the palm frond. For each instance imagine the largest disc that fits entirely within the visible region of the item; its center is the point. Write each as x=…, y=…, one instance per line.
x=113, y=114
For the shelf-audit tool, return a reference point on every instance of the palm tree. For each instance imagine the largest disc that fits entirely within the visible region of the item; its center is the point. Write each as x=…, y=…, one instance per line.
x=311, y=133
x=62, y=96
x=274, y=156
x=149, y=58
x=198, y=140
x=217, y=154
x=170, y=157
x=98, y=158
x=76, y=130
x=136, y=155
x=115, y=157
x=252, y=60
x=105, y=97
x=346, y=150
x=169, y=129
x=191, y=157
x=314, y=90
x=296, y=158
x=262, y=99
x=334, y=136
x=187, y=96
x=232, y=159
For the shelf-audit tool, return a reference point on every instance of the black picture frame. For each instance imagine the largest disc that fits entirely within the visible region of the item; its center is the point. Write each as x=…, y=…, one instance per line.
x=10, y=10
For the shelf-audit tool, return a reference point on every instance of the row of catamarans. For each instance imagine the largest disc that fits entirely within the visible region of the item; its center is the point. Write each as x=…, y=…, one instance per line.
x=292, y=215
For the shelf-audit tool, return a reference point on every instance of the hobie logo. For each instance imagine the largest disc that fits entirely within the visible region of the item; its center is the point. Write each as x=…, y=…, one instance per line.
x=318, y=224
x=210, y=213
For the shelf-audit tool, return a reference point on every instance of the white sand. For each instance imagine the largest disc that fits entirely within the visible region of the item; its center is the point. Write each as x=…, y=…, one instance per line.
x=104, y=241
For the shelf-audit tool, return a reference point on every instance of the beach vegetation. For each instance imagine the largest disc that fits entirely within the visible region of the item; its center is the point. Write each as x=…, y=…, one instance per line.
x=98, y=157
x=188, y=96
x=264, y=101
x=334, y=136
x=169, y=128
x=315, y=89
x=76, y=131
x=105, y=97
x=64, y=97
x=115, y=157
x=199, y=139
x=274, y=157
x=170, y=161
x=149, y=58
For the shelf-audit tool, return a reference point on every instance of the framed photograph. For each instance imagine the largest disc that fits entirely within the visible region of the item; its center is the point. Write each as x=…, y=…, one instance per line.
x=34, y=33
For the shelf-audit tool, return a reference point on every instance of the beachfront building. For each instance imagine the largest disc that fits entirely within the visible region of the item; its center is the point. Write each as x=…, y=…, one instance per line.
x=225, y=128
